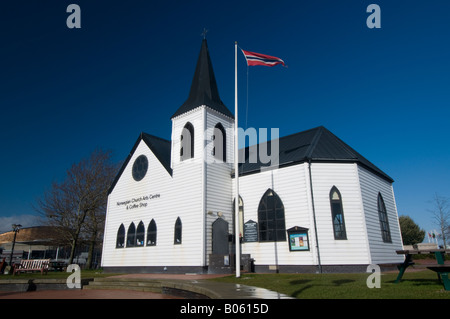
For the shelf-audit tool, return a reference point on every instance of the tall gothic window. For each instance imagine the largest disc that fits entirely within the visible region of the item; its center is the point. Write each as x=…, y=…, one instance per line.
x=140, y=234
x=177, y=232
x=271, y=224
x=220, y=145
x=337, y=214
x=120, y=242
x=187, y=142
x=151, y=234
x=131, y=235
x=384, y=222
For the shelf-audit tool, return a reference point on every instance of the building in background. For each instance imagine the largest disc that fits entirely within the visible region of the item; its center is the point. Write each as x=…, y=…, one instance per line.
x=42, y=242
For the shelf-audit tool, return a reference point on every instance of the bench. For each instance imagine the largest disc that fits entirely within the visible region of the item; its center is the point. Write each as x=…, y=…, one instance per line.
x=442, y=271
x=32, y=265
x=440, y=267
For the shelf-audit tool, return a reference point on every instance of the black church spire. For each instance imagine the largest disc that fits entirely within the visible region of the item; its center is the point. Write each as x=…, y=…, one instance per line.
x=204, y=89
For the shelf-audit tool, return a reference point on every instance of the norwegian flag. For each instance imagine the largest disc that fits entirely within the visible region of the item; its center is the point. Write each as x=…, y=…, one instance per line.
x=261, y=59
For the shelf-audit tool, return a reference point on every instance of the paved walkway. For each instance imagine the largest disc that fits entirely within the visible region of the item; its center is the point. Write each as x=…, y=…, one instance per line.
x=193, y=282
x=84, y=294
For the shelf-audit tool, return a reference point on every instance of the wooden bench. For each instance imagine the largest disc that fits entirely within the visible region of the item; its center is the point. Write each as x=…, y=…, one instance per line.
x=442, y=271
x=439, y=267
x=32, y=265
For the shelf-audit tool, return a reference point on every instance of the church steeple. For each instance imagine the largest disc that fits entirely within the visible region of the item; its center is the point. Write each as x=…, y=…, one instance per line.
x=204, y=89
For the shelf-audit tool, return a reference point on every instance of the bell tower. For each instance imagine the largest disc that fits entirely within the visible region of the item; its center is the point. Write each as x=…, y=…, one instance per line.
x=202, y=152
x=192, y=130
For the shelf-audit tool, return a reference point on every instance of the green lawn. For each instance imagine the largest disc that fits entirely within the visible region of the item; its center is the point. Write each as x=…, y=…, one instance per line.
x=415, y=285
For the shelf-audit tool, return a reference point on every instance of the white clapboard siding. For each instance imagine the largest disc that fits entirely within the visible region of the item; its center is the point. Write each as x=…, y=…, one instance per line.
x=371, y=185
x=188, y=189
x=196, y=118
x=289, y=184
x=354, y=249
x=181, y=198
x=199, y=191
x=218, y=175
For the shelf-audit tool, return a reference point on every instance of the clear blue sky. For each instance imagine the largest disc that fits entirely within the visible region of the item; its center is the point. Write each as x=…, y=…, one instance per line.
x=65, y=92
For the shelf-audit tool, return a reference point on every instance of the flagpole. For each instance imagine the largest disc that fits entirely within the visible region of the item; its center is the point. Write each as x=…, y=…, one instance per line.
x=236, y=169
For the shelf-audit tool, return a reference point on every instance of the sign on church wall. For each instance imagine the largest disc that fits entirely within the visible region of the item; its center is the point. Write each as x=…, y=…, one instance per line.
x=250, y=231
x=137, y=202
x=298, y=239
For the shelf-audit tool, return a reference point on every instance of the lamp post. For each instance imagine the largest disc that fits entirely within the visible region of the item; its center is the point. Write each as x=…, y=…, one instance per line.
x=15, y=228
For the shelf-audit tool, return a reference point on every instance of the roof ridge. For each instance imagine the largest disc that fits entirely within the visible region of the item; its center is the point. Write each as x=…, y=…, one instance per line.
x=154, y=136
x=284, y=137
x=314, y=142
x=347, y=147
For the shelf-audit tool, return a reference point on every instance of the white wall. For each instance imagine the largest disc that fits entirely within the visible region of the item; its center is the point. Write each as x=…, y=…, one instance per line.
x=218, y=176
x=293, y=187
x=371, y=185
x=353, y=250
x=289, y=184
x=180, y=195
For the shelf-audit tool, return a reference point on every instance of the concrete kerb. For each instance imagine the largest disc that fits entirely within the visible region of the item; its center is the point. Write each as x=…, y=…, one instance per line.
x=200, y=285
x=190, y=288
x=23, y=285
x=164, y=286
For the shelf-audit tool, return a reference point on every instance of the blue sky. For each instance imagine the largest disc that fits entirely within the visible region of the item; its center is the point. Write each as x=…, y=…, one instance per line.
x=65, y=92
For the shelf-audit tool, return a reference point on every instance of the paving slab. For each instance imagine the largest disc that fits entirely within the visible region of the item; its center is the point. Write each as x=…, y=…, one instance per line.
x=214, y=290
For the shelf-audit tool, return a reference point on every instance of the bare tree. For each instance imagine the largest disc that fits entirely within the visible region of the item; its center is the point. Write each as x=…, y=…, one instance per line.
x=81, y=196
x=441, y=215
x=93, y=228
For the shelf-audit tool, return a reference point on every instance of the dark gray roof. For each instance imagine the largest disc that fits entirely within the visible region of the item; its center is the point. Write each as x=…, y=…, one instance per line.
x=204, y=89
x=160, y=147
x=317, y=144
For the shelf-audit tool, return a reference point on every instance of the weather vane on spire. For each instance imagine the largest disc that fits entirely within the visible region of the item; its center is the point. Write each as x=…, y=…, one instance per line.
x=204, y=33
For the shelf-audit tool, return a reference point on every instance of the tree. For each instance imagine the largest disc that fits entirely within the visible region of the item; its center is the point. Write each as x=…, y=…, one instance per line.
x=411, y=232
x=93, y=227
x=441, y=215
x=81, y=196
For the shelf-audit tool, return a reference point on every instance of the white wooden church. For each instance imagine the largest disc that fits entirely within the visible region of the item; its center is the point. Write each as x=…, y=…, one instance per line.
x=322, y=208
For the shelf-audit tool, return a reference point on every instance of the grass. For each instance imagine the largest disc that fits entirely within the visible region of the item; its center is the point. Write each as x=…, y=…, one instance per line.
x=415, y=285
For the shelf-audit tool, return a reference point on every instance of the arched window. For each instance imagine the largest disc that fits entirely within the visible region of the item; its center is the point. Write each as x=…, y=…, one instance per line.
x=220, y=146
x=131, y=235
x=241, y=216
x=177, y=232
x=120, y=242
x=187, y=142
x=271, y=225
x=151, y=233
x=384, y=222
x=140, y=234
x=337, y=214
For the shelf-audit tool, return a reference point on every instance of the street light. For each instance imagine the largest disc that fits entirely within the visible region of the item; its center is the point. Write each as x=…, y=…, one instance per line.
x=15, y=228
